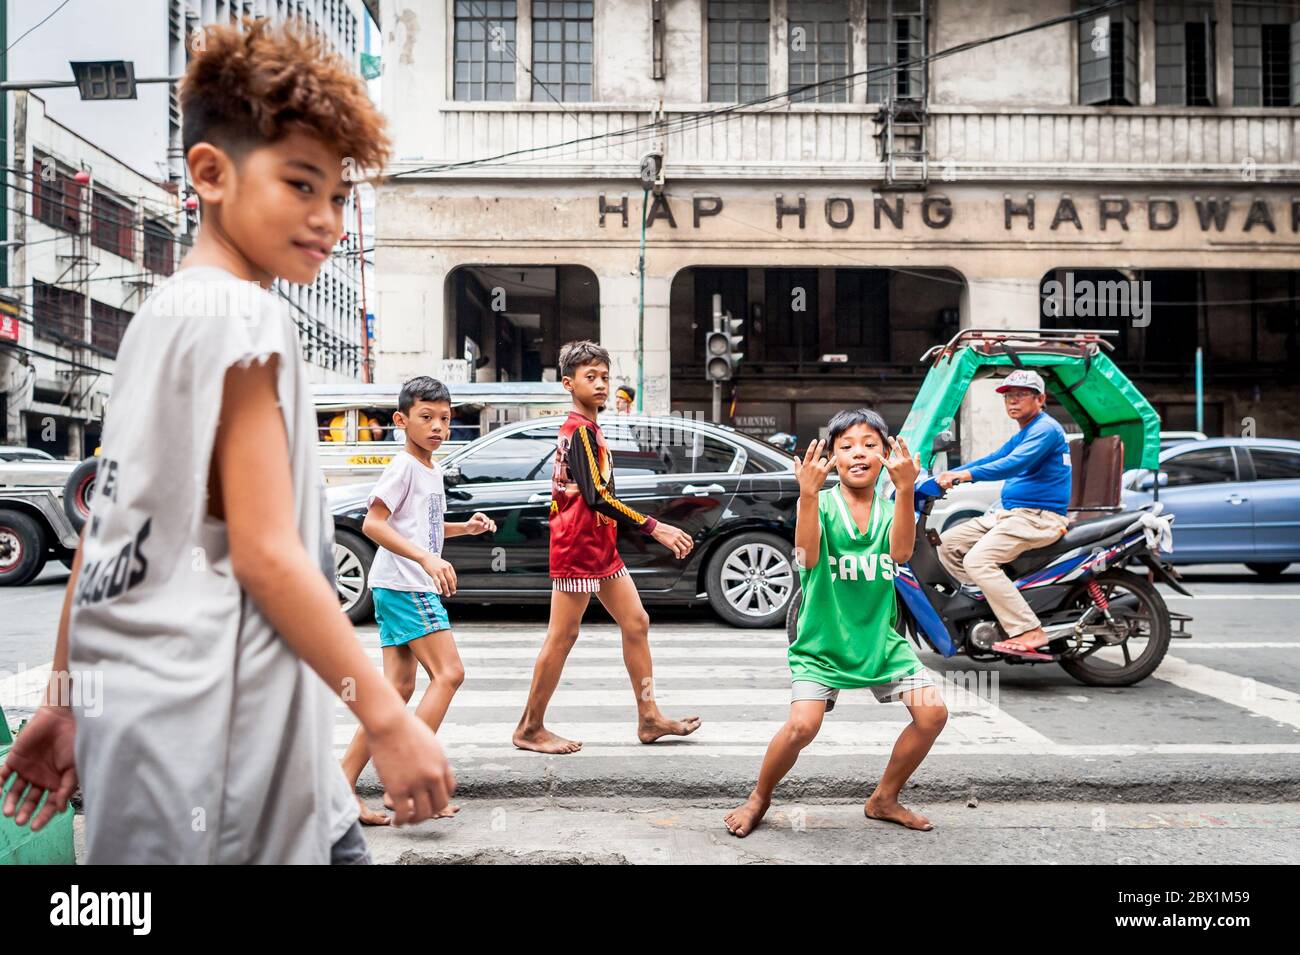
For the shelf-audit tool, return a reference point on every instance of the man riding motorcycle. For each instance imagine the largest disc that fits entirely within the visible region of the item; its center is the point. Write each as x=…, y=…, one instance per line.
x=1035, y=465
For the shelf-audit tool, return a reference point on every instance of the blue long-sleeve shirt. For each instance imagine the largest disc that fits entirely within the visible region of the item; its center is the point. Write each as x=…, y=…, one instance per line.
x=1034, y=463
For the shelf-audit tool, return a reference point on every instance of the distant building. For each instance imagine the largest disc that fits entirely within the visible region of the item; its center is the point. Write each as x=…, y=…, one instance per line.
x=132, y=150
x=851, y=218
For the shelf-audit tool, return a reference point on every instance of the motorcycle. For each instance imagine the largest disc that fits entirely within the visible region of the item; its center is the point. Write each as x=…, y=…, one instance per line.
x=1107, y=623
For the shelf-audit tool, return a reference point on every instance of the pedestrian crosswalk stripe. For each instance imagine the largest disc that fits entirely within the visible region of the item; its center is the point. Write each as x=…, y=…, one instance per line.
x=1267, y=700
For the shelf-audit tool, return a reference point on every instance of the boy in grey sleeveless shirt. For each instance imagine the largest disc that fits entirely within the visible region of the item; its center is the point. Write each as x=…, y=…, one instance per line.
x=201, y=598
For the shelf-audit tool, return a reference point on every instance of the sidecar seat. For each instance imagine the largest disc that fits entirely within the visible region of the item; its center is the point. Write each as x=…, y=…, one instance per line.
x=1095, y=486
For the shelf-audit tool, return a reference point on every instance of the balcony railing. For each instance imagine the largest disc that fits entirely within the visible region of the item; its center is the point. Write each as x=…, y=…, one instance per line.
x=839, y=141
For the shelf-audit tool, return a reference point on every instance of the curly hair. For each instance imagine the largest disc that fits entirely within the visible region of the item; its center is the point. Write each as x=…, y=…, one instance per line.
x=251, y=86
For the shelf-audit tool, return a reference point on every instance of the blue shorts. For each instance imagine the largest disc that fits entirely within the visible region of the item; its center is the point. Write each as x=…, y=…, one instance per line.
x=406, y=615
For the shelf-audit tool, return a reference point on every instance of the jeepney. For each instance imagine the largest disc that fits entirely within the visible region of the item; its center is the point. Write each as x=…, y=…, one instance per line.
x=357, y=436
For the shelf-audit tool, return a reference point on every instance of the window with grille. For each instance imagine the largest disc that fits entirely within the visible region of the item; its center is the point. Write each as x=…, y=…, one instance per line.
x=158, y=248
x=59, y=314
x=1184, y=54
x=1108, y=57
x=485, y=50
x=562, y=53
x=738, y=43
x=112, y=228
x=107, y=325
x=819, y=50
x=1266, y=54
x=56, y=196
x=896, y=34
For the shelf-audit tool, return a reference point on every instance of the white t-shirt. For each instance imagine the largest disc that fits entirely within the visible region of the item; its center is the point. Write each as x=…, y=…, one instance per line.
x=211, y=741
x=414, y=495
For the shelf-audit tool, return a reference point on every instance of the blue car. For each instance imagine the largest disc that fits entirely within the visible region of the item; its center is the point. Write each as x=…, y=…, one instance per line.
x=1235, y=500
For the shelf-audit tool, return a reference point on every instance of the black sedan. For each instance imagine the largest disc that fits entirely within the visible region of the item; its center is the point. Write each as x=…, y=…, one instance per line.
x=734, y=495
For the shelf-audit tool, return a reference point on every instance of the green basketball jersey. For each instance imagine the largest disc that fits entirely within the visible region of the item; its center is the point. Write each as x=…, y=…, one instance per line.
x=846, y=634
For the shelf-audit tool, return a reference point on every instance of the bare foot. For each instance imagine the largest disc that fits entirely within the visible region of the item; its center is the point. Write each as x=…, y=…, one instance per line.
x=743, y=820
x=892, y=810
x=448, y=811
x=544, y=741
x=650, y=730
x=369, y=817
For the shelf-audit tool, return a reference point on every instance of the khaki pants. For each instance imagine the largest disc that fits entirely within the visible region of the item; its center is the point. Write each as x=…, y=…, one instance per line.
x=974, y=551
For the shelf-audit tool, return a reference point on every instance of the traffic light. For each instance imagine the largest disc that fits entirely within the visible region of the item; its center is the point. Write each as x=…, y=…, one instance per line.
x=720, y=354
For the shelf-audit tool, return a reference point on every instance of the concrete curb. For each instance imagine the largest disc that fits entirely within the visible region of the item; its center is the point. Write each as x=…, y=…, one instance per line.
x=943, y=779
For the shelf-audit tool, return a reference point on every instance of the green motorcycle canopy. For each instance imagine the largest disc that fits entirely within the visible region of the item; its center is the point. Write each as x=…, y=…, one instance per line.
x=1076, y=369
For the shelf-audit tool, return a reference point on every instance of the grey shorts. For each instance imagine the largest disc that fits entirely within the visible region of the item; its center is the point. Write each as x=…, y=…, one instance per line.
x=884, y=692
x=351, y=849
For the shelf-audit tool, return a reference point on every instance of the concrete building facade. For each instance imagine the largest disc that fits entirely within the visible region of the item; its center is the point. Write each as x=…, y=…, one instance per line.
x=852, y=191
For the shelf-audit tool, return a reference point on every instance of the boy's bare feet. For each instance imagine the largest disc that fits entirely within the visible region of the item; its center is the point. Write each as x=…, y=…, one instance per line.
x=544, y=741
x=370, y=817
x=891, y=810
x=743, y=820
x=650, y=730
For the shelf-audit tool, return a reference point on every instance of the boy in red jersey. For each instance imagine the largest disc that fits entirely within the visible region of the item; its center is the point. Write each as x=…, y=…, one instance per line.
x=584, y=521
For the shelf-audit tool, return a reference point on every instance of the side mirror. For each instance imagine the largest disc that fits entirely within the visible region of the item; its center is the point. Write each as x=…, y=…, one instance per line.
x=451, y=476
x=1148, y=481
x=943, y=441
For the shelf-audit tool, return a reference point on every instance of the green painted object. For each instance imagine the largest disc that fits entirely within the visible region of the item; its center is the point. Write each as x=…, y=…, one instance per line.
x=1076, y=369
x=18, y=844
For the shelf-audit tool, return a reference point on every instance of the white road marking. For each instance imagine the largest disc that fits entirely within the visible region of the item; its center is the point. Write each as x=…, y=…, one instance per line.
x=1233, y=597
x=1267, y=700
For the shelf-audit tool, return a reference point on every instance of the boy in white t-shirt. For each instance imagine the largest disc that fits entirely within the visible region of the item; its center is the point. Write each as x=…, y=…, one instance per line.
x=409, y=577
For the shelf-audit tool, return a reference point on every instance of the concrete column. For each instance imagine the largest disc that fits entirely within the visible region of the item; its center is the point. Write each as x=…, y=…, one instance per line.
x=778, y=55
x=416, y=57
x=1146, y=52
x=523, y=52
x=619, y=298
x=992, y=303
x=1223, y=54
x=858, y=48
x=411, y=319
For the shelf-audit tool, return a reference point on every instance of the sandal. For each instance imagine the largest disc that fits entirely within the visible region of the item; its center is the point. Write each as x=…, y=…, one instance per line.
x=1005, y=646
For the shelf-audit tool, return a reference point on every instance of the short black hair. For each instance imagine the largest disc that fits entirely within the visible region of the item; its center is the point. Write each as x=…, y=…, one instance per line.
x=844, y=420
x=583, y=352
x=421, y=388
x=627, y=390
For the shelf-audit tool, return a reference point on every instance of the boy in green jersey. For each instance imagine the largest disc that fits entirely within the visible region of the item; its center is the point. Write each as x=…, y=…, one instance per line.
x=849, y=546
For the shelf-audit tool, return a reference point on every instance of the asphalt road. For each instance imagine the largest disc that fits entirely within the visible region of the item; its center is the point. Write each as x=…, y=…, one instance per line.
x=1200, y=763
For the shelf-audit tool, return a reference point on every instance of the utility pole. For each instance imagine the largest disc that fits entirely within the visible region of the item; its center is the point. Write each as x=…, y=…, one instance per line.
x=4, y=148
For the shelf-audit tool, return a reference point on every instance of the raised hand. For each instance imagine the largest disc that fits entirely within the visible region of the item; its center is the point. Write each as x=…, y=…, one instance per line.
x=812, y=469
x=902, y=465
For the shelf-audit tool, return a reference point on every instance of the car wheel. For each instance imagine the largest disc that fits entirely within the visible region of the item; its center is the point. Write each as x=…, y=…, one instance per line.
x=960, y=517
x=78, y=491
x=750, y=579
x=353, y=556
x=1269, y=571
x=22, y=548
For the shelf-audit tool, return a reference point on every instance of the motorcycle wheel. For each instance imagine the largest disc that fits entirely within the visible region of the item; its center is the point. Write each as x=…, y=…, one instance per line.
x=1146, y=625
